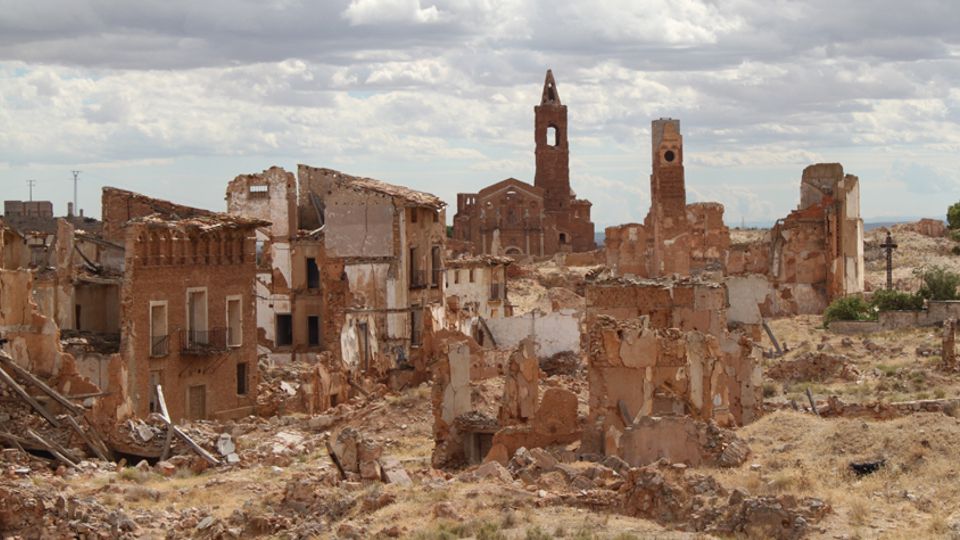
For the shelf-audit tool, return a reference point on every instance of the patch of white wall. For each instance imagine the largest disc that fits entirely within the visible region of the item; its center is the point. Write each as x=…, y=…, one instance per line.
x=552, y=333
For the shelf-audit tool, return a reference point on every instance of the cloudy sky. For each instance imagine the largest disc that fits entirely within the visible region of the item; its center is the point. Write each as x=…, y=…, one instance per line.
x=174, y=98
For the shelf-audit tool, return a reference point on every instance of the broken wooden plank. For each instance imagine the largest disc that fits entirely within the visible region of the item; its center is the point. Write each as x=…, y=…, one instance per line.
x=165, y=416
x=168, y=440
x=49, y=447
x=813, y=404
x=773, y=339
x=6, y=378
x=72, y=422
x=35, y=381
x=358, y=388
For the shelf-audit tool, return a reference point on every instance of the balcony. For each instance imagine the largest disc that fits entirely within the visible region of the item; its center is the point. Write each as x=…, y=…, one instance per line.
x=203, y=342
x=497, y=291
x=159, y=346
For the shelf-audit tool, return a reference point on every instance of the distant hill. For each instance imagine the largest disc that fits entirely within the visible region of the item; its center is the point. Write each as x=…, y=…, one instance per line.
x=868, y=224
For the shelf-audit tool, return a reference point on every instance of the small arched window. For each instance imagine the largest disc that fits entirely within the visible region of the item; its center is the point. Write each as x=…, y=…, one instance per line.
x=552, y=139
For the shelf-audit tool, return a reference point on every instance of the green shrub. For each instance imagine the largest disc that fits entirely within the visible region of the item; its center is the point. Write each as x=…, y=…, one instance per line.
x=953, y=216
x=890, y=300
x=938, y=283
x=848, y=308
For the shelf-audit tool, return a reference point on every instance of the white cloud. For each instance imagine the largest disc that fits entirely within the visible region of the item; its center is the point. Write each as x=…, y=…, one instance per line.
x=390, y=11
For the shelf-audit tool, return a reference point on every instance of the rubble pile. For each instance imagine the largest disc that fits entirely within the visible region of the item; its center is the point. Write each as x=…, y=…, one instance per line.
x=562, y=363
x=814, y=366
x=673, y=496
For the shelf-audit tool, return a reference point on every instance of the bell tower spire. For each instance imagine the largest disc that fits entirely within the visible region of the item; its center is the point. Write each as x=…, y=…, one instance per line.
x=553, y=154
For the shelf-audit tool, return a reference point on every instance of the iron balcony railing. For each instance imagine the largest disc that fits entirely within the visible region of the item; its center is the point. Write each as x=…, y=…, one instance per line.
x=200, y=342
x=159, y=346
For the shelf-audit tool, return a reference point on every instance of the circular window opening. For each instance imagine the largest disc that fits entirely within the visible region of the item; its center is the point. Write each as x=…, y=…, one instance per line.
x=669, y=156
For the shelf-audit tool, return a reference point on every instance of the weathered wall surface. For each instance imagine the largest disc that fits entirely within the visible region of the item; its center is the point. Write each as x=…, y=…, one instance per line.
x=451, y=397
x=551, y=333
x=637, y=370
x=33, y=339
x=685, y=304
x=205, y=263
x=119, y=206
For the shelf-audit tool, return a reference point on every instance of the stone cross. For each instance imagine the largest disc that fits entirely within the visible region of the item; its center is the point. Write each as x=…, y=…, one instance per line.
x=888, y=245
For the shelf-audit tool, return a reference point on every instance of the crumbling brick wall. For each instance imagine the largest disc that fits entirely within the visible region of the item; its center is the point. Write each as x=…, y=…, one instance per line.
x=683, y=304
x=164, y=260
x=118, y=206
x=636, y=369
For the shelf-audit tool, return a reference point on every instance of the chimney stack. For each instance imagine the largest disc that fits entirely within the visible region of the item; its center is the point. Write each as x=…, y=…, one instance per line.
x=69, y=209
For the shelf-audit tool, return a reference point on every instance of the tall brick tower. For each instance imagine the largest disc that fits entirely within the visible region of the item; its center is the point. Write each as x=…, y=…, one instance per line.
x=553, y=153
x=668, y=194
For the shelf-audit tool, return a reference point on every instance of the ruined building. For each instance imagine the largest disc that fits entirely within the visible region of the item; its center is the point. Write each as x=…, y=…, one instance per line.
x=811, y=257
x=676, y=237
x=162, y=296
x=660, y=348
x=476, y=291
x=512, y=217
x=350, y=266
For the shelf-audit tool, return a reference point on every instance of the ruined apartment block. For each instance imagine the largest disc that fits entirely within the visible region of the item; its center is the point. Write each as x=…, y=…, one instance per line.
x=514, y=218
x=162, y=296
x=187, y=306
x=476, y=290
x=350, y=265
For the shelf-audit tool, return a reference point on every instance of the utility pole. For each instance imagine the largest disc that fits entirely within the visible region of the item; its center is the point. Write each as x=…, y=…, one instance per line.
x=76, y=209
x=31, y=183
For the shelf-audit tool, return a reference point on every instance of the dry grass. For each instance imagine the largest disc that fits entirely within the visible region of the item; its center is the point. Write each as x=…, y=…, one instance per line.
x=803, y=455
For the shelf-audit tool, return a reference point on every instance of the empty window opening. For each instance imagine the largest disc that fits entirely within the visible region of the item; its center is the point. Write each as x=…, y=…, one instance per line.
x=435, y=266
x=563, y=238
x=552, y=138
x=436, y=216
x=416, y=326
x=363, y=340
x=456, y=276
x=159, y=340
x=259, y=190
x=417, y=277
x=313, y=274
x=197, y=317
x=197, y=402
x=241, y=378
x=669, y=156
x=76, y=317
x=284, y=329
x=471, y=275
x=234, y=322
x=260, y=247
x=313, y=330
x=154, y=381
x=413, y=215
